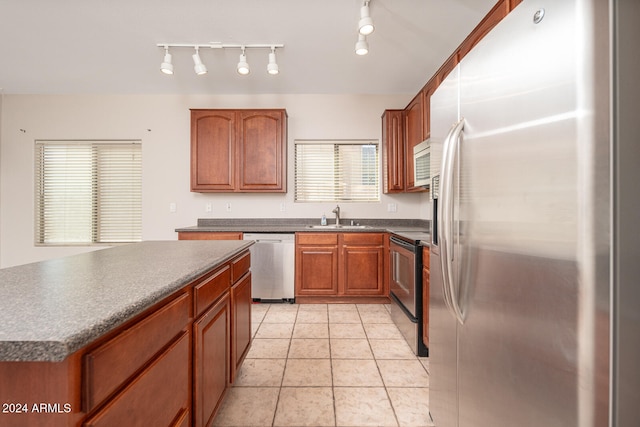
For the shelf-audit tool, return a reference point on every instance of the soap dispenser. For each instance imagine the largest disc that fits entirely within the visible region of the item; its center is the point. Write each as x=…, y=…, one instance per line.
x=323, y=220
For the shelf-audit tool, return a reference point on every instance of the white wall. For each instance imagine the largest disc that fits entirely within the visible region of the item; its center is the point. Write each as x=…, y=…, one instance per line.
x=162, y=123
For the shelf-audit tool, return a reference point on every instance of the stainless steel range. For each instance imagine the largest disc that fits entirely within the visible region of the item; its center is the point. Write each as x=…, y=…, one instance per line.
x=406, y=291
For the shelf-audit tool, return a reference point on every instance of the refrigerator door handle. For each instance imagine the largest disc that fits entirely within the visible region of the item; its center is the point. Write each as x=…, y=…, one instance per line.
x=444, y=229
x=450, y=151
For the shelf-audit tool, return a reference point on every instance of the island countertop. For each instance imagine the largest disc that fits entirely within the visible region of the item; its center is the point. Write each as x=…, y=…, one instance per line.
x=52, y=308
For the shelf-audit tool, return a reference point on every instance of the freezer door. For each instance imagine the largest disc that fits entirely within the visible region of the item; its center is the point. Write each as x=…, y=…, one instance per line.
x=443, y=374
x=527, y=350
x=443, y=395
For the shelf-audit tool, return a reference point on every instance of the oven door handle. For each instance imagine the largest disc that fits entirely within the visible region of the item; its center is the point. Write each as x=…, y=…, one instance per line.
x=403, y=244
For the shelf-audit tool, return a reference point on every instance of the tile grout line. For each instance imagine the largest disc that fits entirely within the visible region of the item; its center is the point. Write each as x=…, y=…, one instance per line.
x=386, y=391
x=286, y=362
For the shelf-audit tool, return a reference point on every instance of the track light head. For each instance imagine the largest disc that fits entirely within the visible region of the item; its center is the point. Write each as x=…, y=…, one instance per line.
x=198, y=67
x=365, y=25
x=272, y=67
x=243, y=67
x=166, y=66
x=362, y=46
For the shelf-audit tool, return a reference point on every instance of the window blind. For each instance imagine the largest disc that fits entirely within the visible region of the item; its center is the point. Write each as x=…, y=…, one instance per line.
x=328, y=171
x=88, y=192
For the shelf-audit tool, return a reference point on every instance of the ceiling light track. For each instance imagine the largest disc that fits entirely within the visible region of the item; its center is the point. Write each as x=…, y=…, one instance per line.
x=242, y=68
x=216, y=45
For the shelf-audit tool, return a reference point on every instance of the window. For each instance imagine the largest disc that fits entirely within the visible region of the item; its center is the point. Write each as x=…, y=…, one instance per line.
x=329, y=171
x=88, y=192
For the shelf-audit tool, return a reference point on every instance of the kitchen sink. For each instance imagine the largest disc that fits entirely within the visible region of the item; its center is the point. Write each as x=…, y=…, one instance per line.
x=341, y=227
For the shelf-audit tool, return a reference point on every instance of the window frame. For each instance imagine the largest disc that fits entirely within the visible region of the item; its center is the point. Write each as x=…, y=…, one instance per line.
x=99, y=203
x=368, y=169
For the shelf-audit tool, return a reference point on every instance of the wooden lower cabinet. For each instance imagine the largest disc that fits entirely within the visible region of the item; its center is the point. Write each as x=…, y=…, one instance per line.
x=336, y=265
x=211, y=360
x=363, y=259
x=170, y=366
x=316, y=264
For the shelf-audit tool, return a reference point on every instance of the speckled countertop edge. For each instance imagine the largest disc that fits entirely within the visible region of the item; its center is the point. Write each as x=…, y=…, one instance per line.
x=51, y=309
x=412, y=229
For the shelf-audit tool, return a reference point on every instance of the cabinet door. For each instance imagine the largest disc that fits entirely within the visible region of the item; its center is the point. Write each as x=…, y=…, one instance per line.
x=211, y=360
x=363, y=270
x=262, y=153
x=213, y=135
x=316, y=270
x=241, y=322
x=414, y=134
x=393, y=154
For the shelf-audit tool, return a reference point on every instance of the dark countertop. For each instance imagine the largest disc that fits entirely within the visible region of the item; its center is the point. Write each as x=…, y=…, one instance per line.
x=411, y=229
x=52, y=308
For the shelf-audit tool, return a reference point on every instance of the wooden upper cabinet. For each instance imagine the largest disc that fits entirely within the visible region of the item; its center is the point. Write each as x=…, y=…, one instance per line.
x=213, y=136
x=393, y=155
x=262, y=151
x=417, y=114
x=239, y=151
x=414, y=131
x=495, y=15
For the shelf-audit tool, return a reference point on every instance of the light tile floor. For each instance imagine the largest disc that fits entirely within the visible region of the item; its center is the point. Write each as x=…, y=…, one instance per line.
x=327, y=365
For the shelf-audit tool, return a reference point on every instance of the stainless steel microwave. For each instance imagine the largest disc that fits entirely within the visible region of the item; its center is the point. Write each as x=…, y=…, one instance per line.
x=422, y=164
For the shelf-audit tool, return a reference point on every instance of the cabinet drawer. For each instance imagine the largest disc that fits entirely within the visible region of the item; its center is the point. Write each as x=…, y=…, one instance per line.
x=212, y=288
x=363, y=239
x=317, y=238
x=107, y=367
x=239, y=266
x=159, y=396
x=209, y=235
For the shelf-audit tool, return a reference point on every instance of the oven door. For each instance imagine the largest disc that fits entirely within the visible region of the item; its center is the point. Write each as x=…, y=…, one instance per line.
x=403, y=275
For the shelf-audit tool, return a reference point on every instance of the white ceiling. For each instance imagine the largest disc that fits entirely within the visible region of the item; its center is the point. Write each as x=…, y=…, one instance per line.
x=109, y=46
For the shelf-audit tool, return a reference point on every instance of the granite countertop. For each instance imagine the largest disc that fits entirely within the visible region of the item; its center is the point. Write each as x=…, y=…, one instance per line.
x=412, y=229
x=52, y=308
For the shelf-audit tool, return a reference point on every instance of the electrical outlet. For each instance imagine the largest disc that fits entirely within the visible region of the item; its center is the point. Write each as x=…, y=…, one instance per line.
x=283, y=207
x=173, y=207
x=392, y=207
x=208, y=208
x=228, y=207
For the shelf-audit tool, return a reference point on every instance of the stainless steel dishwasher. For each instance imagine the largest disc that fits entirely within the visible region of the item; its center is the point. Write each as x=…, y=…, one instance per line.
x=272, y=267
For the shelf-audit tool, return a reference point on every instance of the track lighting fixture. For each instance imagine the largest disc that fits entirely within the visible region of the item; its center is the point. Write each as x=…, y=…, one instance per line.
x=200, y=68
x=243, y=66
x=272, y=67
x=365, y=25
x=166, y=66
x=362, y=47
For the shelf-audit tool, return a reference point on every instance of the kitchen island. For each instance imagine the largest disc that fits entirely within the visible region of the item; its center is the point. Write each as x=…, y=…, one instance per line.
x=142, y=334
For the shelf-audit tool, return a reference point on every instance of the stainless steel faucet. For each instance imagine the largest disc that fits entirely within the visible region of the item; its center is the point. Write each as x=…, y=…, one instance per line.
x=337, y=212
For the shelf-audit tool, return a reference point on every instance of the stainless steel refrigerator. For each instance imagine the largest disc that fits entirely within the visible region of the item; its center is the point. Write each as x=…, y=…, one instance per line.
x=534, y=266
